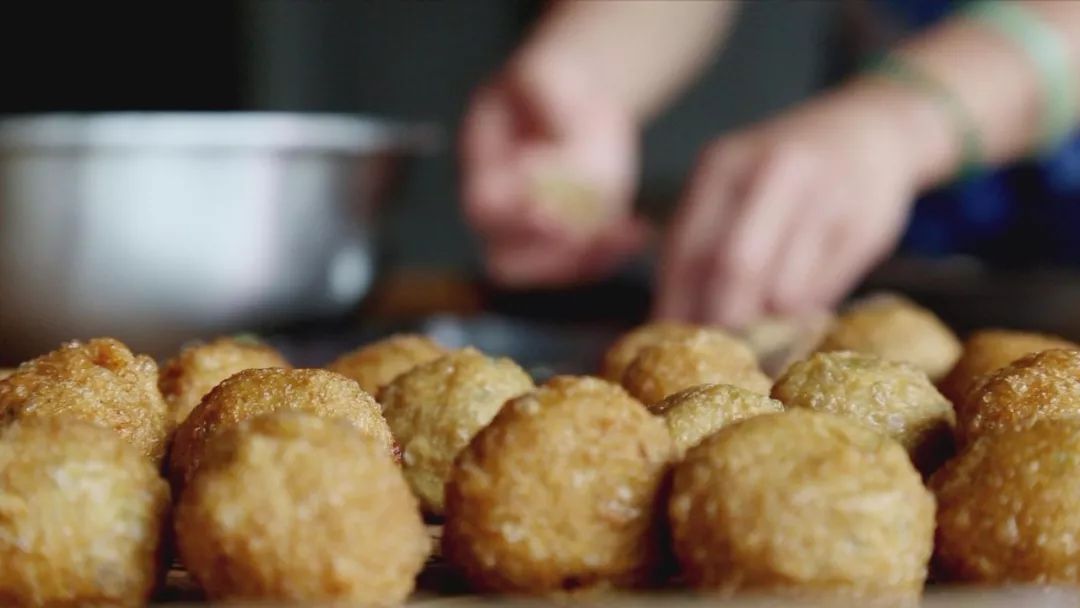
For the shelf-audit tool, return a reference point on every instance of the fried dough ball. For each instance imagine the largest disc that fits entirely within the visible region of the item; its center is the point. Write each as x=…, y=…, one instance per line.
x=891, y=397
x=896, y=329
x=623, y=352
x=989, y=350
x=189, y=376
x=377, y=364
x=707, y=357
x=1007, y=507
x=254, y=392
x=435, y=409
x=99, y=381
x=4, y=373
x=82, y=516
x=700, y=411
x=801, y=500
x=1043, y=385
x=293, y=507
x=559, y=492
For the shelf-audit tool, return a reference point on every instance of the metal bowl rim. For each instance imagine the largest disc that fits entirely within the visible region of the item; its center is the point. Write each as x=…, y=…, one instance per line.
x=182, y=131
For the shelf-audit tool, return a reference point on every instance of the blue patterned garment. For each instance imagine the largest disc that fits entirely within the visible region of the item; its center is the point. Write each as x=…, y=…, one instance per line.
x=1018, y=216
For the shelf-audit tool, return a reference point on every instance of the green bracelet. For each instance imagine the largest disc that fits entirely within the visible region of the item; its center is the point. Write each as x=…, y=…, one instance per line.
x=900, y=70
x=1050, y=56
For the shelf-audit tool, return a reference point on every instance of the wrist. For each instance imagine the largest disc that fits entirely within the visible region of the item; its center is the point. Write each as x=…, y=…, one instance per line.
x=924, y=138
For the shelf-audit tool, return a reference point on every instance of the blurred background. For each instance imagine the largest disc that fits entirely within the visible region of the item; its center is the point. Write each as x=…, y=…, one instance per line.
x=411, y=62
x=415, y=61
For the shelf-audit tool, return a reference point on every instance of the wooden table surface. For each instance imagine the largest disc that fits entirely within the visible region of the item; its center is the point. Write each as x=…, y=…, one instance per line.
x=438, y=586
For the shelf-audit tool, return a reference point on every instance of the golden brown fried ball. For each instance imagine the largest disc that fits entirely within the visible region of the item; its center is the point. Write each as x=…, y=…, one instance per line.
x=1043, y=385
x=989, y=350
x=293, y=507
x=700, y=411
x=559, y=492
x=254, y=392
x=189, y=376
x=895, y=329
x=623, y=352
x=4, y=373
x=891, y=397
x=801, y=500
x=376, y=365
x=99, y=381
x=82, y=516
x=707, y=357
x=435, y=409
x=1007, y=507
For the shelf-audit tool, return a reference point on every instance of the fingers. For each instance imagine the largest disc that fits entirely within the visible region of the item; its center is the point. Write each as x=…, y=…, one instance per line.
x=786, y=216
x=804, y=251
x=530, y=264
x=495, y=176
x=693, y=233
x=489, y=176
x=620, y=242
x=744, y=264
x=857, y=245
x=548, y=181
x=564, y=261
x=753, y=237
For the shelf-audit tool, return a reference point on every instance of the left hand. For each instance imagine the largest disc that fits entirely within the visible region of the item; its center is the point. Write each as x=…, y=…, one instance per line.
x=549, y=165
x=785, y=217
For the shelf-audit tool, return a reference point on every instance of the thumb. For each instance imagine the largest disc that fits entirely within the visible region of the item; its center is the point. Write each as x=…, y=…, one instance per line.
x=621, y=241
x=629, y=235
x=552, y=96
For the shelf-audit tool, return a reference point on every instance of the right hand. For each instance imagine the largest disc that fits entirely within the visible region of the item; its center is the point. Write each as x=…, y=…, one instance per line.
x=549, y=168
x=784, y=217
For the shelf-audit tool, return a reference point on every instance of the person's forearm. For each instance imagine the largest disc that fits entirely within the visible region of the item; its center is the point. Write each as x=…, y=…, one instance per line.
x=995, y=82
x=641, y=51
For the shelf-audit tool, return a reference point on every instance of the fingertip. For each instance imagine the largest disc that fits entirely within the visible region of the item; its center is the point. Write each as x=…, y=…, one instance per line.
x=484, y=200
x=668, y=308
x=733, y=292
x=670, y=302
x=729, y=310
x=533, y=263
x=486, y=128
x=625, y=236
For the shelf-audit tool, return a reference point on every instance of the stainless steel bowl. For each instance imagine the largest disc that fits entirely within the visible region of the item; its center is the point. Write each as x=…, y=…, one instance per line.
x=156, y=228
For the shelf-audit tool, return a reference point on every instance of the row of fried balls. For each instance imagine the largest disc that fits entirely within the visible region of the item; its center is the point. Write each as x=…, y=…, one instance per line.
x=297, y=484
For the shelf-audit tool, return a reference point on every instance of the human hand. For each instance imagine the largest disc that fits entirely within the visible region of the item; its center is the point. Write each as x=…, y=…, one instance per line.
x=548, y=173
x=785, y=217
